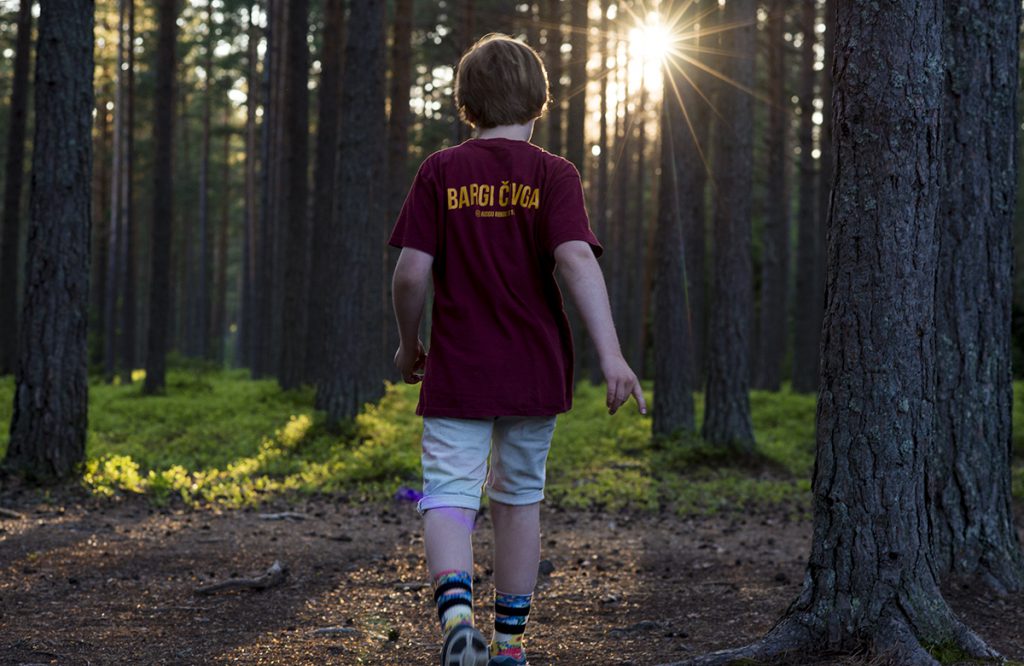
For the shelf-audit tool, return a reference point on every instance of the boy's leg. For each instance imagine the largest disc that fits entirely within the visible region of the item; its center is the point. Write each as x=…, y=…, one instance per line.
x=516, y=487
x=454, y=461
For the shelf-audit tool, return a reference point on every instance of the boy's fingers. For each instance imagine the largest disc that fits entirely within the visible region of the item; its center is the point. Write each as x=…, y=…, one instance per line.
x=638, y=393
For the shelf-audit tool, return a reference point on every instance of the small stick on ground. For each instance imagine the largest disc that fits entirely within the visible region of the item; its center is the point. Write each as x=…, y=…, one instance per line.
x=272, y=577
x=7, y=513
x=292, y=515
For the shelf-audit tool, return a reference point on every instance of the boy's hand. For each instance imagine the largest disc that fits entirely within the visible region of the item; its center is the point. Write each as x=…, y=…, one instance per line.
x=622, y=383
x=411, y=362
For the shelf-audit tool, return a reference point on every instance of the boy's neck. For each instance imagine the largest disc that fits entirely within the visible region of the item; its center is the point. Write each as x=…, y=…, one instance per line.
x=515, y=132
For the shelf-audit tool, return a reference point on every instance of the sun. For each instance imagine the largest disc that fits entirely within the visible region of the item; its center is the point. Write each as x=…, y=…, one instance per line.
x=651, y=41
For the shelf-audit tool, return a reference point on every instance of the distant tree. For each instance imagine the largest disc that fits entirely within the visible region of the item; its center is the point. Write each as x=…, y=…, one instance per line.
x=673, y=362
x=600, y=208
x=128, y=336
x=218, y=323
x=100, y=233
x=247, y=352
x=774, y=315
x=398, y=151
x=552, y=19
x=870, y=580
x=968, y=471
x=202, y=292
x=292, y=368
x=10, y=238
x=331, y=61
x=163, y=202
x=809, y=285
x=352, y=366
x=51, y=395
x=727, y=418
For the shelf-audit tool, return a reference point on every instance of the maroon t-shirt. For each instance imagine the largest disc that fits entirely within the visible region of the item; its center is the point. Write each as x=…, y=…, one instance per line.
x=491, y=212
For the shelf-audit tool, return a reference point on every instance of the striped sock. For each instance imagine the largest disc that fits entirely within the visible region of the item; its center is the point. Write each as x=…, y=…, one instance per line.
x=511, y=611
x=453, y=594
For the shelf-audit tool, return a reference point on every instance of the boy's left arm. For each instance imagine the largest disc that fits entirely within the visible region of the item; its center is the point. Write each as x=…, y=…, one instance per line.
x=408, y=294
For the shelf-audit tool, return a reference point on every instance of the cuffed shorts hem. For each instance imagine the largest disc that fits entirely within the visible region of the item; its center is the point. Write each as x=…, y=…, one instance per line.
x=448, y=501
x=515, y=500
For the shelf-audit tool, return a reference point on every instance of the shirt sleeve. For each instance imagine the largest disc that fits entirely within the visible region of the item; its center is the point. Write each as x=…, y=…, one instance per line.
x=565, y=213
x=418, y=222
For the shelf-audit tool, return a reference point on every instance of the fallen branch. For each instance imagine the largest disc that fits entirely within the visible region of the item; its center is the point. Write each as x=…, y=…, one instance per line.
x=7, y=513
x=272, y=577
x=326, y=631
x=292, y=515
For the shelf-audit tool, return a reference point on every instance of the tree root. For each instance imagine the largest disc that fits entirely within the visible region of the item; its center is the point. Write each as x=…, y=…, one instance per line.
x=786, y=638
x=972, y=643
x=272, y=577
x=896, y=644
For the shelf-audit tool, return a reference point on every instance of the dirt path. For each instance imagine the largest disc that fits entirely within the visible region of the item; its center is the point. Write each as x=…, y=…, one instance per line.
x=113, y=584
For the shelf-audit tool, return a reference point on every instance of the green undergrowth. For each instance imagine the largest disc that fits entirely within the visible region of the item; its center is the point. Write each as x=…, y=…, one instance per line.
x=218, y=437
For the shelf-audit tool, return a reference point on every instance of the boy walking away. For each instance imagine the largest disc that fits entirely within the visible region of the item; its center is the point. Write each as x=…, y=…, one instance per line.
x=491, y=219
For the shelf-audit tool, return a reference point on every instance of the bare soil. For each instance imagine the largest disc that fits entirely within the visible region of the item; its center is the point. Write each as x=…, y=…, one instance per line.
x=112, y=582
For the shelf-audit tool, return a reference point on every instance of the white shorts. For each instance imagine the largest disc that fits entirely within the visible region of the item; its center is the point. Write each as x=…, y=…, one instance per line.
x=455, y=460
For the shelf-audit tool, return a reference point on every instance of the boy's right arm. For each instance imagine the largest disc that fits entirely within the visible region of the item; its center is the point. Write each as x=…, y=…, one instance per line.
x=409, y=292
x=582, y=275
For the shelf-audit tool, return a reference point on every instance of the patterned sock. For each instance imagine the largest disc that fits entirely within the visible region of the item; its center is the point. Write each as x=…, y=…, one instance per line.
x=511, y=611
x=453, y=594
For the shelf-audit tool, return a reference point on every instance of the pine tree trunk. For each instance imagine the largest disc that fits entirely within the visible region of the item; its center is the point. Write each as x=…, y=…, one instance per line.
x=600, y=213
x=694, y=210
x=331, y=62
x=51, y=399
x=115, y=254
x=100, y=233
x=128, y=308
x=293, y=353
x=968, y=470
x=617, y=235
x=806, y=322
x=218, y=335
x=351, y=376
x=398, y=149
x=553, y=62
x=727, y=418
x=202, y=302
x=673, y=369
x=634, y=322
x=248, y=328
x=163, y=199
x=10, y=260
x=870, y=580
x=774, y=317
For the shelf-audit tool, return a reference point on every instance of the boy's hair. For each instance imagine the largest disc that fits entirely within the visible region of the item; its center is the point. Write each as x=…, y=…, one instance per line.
x=500, y=81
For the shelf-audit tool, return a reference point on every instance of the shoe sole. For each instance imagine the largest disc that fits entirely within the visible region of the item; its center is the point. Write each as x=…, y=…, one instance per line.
x=465, y=646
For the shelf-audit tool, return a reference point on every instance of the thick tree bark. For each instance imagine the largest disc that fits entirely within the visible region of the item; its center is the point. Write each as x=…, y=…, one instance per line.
x=806, y=320
x=552, y=15
x=352, y=376
x=293, y=349
x=727, y=405
x=870, y=580
x=51, y=399
x=163, y=200
x=774, y=317
x=673, y=369
x=968, y=470
x=331, y=62
x=826, y=162
x=128, y=308
x=10, y=261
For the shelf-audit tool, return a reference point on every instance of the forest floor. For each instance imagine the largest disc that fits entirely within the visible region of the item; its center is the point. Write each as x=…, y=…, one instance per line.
x=99, y=581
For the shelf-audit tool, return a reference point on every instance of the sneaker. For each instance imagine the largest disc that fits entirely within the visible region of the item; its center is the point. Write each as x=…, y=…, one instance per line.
x=464, y=646
x=505, y=660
